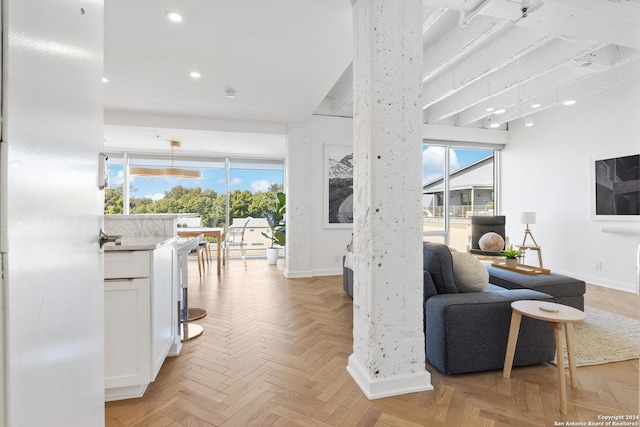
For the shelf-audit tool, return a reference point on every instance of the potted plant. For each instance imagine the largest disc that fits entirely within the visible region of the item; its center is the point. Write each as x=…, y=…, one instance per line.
x=512, y=256
x=277, y=232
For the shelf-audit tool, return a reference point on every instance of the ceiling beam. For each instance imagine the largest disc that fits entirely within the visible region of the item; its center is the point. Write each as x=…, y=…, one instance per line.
x=618, y=75
x=431, y=16
x=542, y=90
x=615, y=22
x=534, y=65
x=489, y=59
x=458, y=42
x=521, y=97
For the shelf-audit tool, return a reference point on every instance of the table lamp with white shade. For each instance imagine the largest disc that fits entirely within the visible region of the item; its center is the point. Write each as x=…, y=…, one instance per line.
x=528, y=218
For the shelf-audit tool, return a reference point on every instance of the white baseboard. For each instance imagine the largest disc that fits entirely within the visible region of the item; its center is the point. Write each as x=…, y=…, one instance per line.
x=311, y=273
x=377, y=388
x=625, y=287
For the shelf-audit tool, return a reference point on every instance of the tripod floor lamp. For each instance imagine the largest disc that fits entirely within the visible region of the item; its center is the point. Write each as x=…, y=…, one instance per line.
x=530, y=218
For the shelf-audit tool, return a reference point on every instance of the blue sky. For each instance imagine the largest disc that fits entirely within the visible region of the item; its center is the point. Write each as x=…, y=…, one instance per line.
x=433, y=160
x=252, y=180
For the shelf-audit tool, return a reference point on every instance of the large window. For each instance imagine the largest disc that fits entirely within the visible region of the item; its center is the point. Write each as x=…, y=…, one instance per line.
x=457, y=184
x=251, y=186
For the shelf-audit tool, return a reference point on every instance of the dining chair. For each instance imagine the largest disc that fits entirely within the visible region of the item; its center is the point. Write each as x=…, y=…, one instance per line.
x=235, y=239
x=200, y=253
x=206, y=249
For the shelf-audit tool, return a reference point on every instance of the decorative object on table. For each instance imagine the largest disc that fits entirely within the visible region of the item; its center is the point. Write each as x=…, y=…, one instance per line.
x=528, y=218
x=277, y=229
x=512, y=255
x=338, y=181
x=491, y=242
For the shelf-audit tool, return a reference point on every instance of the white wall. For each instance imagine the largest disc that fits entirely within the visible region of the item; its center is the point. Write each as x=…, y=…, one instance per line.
x=328, y=245
x=546, y=169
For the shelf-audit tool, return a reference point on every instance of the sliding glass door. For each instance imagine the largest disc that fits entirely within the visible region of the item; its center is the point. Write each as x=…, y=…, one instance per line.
x=253, y=186
x=457, y=184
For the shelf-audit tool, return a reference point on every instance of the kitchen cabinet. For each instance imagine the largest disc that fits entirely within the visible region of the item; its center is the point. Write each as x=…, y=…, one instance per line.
x=141, y=316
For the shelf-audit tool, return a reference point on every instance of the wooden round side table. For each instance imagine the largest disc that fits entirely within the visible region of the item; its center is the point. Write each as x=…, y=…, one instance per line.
x=557, y=315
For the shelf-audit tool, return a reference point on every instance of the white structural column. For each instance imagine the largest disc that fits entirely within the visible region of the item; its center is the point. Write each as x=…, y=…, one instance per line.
x=388, y=350
x=298, y=165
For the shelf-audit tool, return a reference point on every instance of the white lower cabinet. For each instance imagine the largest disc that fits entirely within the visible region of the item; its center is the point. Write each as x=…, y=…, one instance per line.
x=127, y=314
x=140, y=317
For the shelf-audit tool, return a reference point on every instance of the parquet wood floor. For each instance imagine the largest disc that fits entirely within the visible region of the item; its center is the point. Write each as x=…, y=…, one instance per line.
x=274, y=353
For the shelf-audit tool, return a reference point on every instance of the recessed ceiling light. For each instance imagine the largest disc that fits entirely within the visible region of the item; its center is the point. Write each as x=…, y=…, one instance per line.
x=490, y=109
x=500, y=111
x=494, y=125
x=195, y=75
x=528, y=121
x=105, y=80
x=536, y=105
x=174, y=16
x=569, y=102
x=230, y=93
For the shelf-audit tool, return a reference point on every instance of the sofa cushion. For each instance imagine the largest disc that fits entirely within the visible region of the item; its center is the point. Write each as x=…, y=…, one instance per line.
x=491, y=242
x=429, y=288
x=470, y=274
x=566, y=290
x=437, y=261
x=469, y=332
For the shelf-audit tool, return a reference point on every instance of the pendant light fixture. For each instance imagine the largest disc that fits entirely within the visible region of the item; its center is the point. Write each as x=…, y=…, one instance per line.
x=171, y=171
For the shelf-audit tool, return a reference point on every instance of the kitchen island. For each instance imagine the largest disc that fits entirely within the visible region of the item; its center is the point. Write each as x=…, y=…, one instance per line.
x=141, y=312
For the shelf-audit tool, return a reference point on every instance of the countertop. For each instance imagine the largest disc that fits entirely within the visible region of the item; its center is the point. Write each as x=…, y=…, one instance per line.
x=139, y=243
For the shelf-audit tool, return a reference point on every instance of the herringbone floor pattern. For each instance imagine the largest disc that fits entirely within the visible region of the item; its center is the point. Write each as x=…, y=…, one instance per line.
x=274, y=353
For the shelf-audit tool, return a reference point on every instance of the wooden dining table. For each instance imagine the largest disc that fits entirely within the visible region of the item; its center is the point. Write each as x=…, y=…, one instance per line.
x=217, y=232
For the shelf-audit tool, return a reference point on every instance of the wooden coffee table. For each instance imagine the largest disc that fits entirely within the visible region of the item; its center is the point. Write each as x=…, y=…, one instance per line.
x=557, y=315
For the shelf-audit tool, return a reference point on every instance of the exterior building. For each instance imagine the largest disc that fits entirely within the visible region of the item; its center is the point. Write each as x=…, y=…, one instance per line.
x=471, y=192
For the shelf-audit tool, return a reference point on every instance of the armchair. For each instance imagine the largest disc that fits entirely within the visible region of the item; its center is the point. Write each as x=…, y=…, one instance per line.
x=480, y=225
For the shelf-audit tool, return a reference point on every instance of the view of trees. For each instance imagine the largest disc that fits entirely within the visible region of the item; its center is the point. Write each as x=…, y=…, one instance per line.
x=208, y=203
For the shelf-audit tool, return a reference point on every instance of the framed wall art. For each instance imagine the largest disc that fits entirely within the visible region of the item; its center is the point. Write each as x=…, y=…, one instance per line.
x=338, y=177
x=616, y=188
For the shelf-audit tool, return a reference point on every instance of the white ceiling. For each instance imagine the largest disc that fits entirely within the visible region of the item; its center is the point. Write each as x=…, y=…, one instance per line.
x=481, y=54
x=280, y=56
x=285, y=59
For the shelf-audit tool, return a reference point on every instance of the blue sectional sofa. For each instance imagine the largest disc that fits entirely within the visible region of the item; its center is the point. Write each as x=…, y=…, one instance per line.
x=467, y=332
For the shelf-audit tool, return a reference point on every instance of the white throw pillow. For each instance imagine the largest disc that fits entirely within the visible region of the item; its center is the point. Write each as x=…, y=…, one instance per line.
x=349, y=261
x=470, y=274
x=491, y=242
